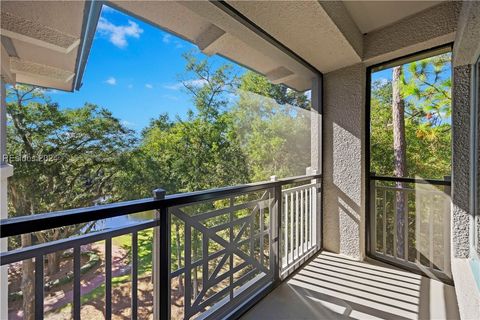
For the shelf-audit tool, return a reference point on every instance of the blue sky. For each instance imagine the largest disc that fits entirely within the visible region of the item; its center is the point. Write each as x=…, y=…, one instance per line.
x=133, y=70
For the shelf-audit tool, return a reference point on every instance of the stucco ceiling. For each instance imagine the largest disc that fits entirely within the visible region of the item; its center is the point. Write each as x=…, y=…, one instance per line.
x=304, y=27
x=373, y=15
x=327, y=34
x=41, y=41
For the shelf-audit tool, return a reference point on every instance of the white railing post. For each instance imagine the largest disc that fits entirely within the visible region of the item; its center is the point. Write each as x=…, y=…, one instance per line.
x=275, y=227
x=316, y=219
x=373, y=214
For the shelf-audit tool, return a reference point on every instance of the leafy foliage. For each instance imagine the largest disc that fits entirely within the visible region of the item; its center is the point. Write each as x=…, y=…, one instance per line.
x=71, y=154
x=426, y=90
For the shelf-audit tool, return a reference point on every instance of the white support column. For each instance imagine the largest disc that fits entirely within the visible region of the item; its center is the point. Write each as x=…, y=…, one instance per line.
x=316, y=156
x=316, y=126
x=6, y=171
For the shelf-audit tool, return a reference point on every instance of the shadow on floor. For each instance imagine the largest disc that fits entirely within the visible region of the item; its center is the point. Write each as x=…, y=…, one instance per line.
x=332, y=286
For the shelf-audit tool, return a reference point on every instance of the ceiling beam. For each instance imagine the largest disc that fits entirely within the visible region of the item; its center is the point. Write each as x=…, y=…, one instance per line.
x=237, y=15
x=29, y=68
x=6, y=71
x=32, y=32
x=280, y=75
x=207, y=39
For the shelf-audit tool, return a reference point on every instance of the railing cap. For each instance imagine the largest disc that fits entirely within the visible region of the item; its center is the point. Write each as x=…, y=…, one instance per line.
x=159, y=194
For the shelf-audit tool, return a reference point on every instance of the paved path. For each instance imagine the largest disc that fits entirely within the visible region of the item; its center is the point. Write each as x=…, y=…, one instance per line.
x=62, y=298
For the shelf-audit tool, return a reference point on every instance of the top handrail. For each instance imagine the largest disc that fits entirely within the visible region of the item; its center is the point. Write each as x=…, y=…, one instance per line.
x=44, y=221
x=412, y=180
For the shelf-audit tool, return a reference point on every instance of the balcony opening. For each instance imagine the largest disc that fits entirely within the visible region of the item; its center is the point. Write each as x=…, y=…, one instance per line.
x=410, y=163
x=157, y=110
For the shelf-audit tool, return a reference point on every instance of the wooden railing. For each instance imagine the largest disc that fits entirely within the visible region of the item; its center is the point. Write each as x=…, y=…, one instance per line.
x=410, y=223
x=300, y=226
x=217, y=251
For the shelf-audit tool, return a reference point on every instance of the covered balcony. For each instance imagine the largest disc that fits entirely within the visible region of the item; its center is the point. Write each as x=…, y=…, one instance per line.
x=344, y=239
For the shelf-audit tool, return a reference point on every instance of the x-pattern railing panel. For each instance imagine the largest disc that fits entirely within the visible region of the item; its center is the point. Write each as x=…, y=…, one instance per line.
x=244, y=224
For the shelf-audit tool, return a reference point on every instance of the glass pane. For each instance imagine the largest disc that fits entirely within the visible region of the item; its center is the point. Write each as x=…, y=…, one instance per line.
x=411, y=119
x=410, y=137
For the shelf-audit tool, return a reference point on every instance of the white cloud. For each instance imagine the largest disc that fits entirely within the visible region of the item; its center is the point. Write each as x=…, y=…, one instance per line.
x=111, y=81
x=179, y=85
x=148, y=86
x=118, y=34
x=128, y=123
x=167, y=38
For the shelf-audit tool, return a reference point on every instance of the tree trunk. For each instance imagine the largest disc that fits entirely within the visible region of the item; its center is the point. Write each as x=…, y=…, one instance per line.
x=399, y=148
x=53, y=263
x=28, y=282
x=179, y=260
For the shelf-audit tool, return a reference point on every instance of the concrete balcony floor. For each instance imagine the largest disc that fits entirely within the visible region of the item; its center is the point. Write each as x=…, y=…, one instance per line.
x=332, y=286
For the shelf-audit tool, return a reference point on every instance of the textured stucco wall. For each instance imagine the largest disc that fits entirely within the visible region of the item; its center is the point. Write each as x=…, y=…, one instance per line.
x=343, y=207
x=465, y=54
x=461, y=161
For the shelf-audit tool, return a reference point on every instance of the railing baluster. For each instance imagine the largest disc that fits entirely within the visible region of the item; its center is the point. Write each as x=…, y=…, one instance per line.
x=285, y=213
x=302, y=224
x=205, y=255
x=296, y=225
x=373, y=214
x=310, y=208
x=430, y=237
x=108, y=278
x=406, y=226
x=384, y=220
x=76, y=283
x=39, y=290
x=134, y=275
x=292, y=225
x=395, y=226
x=418, y=224
x=314, y=216
x=307, y=219
x=205, y=241
x=261, y=235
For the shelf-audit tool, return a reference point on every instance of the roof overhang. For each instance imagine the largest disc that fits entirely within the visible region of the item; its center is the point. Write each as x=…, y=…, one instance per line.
x=42, y=41
x=217, y=28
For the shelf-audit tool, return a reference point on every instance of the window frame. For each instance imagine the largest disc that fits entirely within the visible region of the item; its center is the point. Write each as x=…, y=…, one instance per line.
x=475, y=183
x=448, y=47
